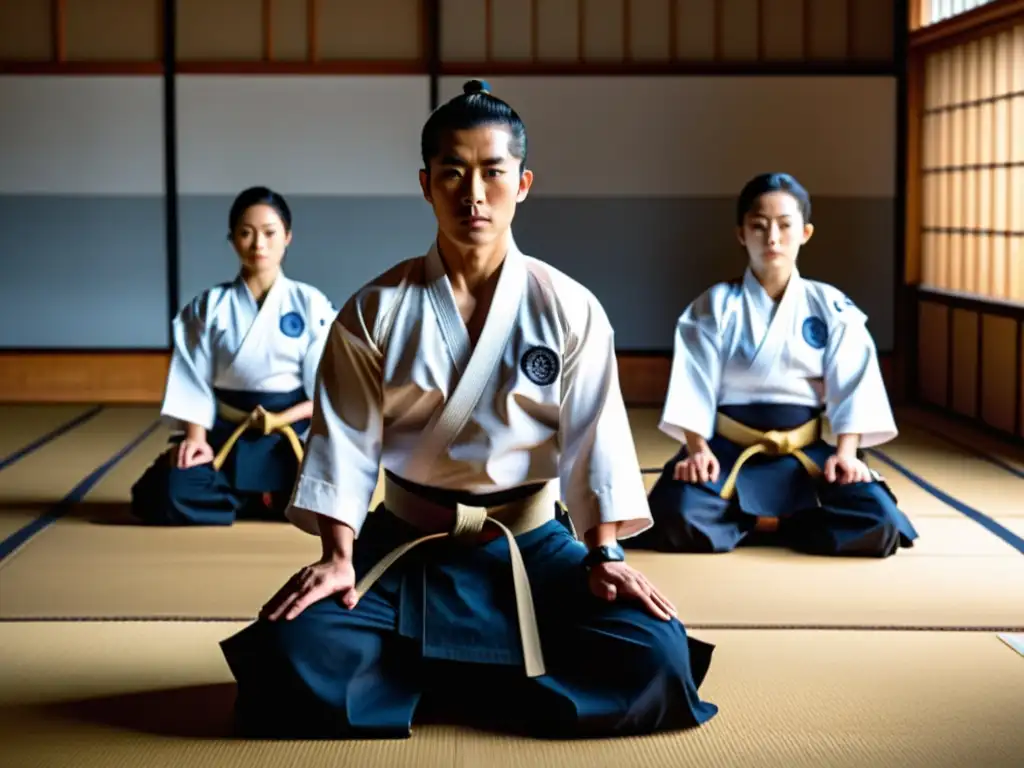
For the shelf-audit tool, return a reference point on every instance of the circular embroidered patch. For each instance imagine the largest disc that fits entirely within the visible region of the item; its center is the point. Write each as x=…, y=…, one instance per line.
x=540, y=365
x=292, y=325
x=815, y=332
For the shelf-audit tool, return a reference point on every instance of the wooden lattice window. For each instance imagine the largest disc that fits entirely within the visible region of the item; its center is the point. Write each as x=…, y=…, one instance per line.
x=973, y=168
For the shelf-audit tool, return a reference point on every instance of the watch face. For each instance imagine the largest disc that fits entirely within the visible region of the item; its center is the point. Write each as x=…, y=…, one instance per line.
x=606, y=554
x=614, y=552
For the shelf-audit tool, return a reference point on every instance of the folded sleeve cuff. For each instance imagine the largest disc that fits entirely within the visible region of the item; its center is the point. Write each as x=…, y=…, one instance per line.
x=313, y=497
x=609, y=505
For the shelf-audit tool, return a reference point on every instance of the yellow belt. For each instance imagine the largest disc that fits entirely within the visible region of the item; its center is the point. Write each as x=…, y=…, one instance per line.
x=247, y=421
x=773, y=443
x=513, y=519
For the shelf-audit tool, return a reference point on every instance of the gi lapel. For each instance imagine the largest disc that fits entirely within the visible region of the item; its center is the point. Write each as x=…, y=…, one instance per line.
x=453, y=330
x=451, y=418
x=780, y=327
x=253, y=347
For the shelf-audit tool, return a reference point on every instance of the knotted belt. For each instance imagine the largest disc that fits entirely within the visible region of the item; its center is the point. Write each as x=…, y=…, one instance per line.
x=513, y=519
x=773, y=443
x=247, y=421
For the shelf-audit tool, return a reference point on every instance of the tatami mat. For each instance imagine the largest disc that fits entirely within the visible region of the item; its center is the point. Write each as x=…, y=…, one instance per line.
x=967, y=437
x=971, y=479
x=50, y=472
x=160, y=694
x=14, y=519
x=157, y=693
x=24, y=424
x=129, y=571
x=958, y=574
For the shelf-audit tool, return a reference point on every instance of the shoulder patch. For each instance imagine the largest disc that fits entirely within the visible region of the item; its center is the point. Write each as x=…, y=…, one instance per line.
x=842, y=303
x=844, y=310
x=833, y=305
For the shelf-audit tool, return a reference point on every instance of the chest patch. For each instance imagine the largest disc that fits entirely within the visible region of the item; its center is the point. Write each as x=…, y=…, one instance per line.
x=292, y=325
x=815, y=332
x=540, y=365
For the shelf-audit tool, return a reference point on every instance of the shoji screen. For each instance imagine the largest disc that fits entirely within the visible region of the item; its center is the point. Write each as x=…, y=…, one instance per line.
x=973, y=168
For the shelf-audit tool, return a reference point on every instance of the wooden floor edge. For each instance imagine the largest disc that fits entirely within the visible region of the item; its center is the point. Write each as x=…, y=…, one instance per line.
x=112, y=378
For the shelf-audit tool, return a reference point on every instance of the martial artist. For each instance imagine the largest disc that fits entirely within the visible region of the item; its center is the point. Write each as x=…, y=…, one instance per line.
x=240, y=383
x=484, y=382
x=775, y=388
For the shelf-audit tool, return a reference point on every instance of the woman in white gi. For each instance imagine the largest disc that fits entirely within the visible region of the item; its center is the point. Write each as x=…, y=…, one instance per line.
x=758, y=362
x=484, y=382
x=242, y=369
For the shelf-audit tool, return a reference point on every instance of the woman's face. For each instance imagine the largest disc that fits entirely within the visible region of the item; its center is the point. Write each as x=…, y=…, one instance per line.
x=773, y=231
x=260, y=239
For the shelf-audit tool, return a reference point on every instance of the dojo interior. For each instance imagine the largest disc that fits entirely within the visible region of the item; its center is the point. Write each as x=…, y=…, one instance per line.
x=129, y=125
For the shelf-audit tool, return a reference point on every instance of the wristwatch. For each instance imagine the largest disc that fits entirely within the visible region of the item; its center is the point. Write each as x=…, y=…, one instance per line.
x=607, y=553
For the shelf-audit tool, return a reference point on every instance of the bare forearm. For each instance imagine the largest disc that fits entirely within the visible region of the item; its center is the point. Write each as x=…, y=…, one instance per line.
x=297, y=412
x=694, y=442
x=336, y=539
x=601, y=535
x=195, y=433
x=847, y=445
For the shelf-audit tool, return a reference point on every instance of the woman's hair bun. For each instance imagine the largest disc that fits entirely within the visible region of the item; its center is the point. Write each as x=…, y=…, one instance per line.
x=476, y=86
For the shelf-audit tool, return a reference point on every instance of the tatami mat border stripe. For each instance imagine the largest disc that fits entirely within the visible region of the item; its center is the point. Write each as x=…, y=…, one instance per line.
x=980, y=518
x=17, y=539
x=49, y=437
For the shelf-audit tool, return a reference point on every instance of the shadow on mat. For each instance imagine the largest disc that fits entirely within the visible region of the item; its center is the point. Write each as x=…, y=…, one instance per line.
x=33, y=506
x=101, y=513
x=104, y=513
x=207, y=712
x=193, y=712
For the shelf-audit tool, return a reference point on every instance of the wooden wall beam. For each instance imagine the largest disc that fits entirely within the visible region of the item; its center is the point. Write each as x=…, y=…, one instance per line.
x=673, y=29
x=913, y=162
x=534, y=30
x=58, y=17
x=312, y=39
x=488, y=30
x=907, y=177
x=267, y=11
x=581, y=30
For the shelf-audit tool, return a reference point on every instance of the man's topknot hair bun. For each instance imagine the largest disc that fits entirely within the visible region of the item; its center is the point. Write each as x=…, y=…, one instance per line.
x=476, y=86
x=474, y=107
